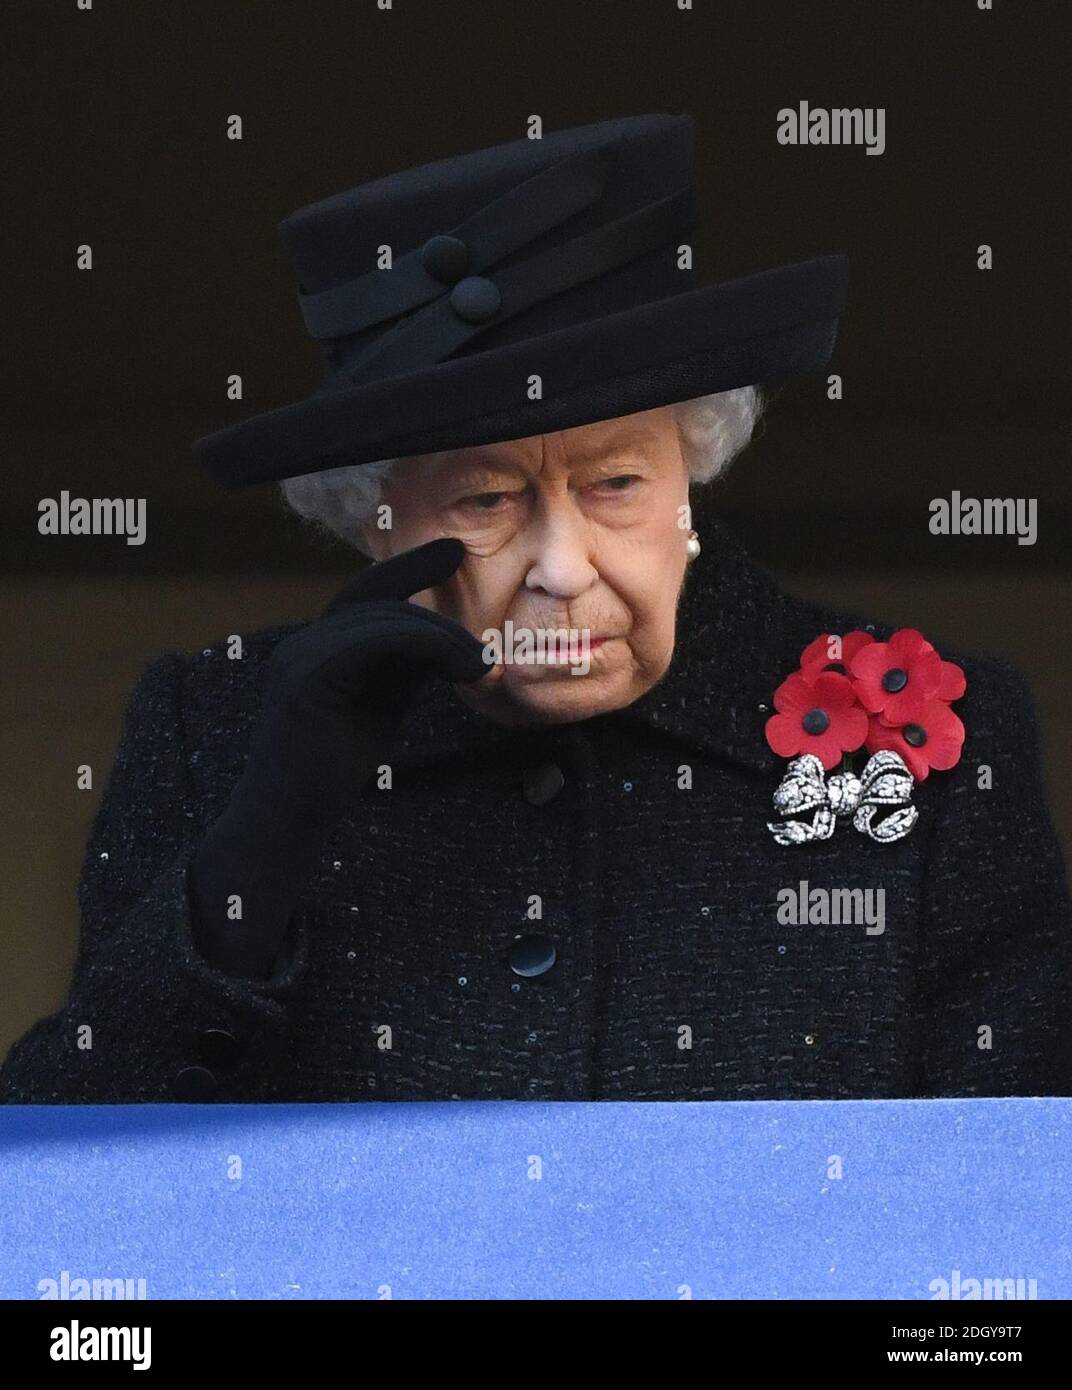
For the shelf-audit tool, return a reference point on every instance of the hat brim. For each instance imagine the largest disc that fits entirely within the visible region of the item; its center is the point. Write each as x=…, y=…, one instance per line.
x=757, y=328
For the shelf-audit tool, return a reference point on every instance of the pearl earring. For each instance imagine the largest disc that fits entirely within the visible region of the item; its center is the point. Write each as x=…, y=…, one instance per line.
x=692, y=545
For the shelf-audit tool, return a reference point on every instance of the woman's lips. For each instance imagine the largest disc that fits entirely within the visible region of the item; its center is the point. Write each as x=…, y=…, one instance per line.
x=570, y=654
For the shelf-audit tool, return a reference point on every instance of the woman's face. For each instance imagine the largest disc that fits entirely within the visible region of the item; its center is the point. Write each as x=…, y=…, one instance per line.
x=582, y=529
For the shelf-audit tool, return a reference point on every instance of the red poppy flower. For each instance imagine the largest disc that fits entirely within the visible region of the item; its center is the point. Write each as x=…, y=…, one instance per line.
x=816, y=656
x=898, y=678
x=933, y=739
x=820, y=717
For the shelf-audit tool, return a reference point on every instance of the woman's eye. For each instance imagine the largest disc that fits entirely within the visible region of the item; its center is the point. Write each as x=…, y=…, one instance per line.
x=625, y=479
x=484, y=501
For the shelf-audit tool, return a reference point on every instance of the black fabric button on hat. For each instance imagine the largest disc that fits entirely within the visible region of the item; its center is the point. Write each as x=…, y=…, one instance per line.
x=532, y=955
x=475, y=299
x=218, y=1048
x=194, y=1083
x=542, y=783
x=446, y=258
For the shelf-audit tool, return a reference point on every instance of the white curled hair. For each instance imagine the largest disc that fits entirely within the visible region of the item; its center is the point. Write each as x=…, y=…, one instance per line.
x=714, y=430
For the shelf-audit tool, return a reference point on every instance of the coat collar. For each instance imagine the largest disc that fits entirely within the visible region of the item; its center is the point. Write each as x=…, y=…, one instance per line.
x=738, y=636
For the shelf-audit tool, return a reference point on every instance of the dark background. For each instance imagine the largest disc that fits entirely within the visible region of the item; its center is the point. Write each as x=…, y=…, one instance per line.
x=954, y=378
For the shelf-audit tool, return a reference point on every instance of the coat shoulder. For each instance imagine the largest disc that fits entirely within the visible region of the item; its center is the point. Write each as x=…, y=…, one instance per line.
x=245, y=651
x=231, y=670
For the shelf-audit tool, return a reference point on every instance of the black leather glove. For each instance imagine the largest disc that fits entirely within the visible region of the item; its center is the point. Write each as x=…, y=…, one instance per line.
x=336, y=690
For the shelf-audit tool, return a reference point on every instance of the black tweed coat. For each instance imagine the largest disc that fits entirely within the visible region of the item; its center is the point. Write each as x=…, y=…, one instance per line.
x=635, y=846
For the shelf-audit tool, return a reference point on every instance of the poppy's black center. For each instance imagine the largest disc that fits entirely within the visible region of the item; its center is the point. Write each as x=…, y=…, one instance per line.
x=895, y=679
x=915, y=735
x=837, y=666
x=816, y=721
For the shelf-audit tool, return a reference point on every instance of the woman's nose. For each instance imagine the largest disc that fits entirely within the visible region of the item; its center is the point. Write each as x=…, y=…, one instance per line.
x=561, y=551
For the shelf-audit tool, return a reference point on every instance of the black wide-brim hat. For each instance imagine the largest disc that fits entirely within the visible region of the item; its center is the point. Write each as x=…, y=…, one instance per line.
x=529, y=287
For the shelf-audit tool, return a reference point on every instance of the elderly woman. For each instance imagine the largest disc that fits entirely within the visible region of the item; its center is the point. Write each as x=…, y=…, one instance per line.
x=499, y=824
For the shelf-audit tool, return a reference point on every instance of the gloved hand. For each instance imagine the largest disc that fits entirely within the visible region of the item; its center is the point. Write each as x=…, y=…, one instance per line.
x=336, y=690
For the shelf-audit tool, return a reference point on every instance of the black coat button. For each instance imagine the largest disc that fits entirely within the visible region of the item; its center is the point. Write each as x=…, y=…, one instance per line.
x=476, y=300
x=532, y=955
x=446, y=258
x=542, y=783
x=194, y=1083
x=218, y=1048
